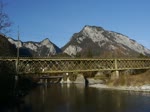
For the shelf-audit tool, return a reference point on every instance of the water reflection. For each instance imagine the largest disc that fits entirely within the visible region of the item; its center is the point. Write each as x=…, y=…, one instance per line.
x=78, y=98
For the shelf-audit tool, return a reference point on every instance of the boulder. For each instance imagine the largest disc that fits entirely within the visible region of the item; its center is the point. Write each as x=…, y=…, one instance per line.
x=145, y=87
x=115, y=75
x=65, y=78
x=99, y=74
x=93, y=81
x=65, y=81
x=80, y=79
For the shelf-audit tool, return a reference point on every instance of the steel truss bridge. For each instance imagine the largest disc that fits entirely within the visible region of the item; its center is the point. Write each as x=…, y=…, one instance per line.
x=47, y=65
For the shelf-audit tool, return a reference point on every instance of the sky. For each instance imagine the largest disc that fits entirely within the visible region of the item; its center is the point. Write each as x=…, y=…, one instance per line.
x=58, y=20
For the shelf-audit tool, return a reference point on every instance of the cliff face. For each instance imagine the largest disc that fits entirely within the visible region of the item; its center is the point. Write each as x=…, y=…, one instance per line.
x=44, y=48
x=97, y=41
x=90, y=41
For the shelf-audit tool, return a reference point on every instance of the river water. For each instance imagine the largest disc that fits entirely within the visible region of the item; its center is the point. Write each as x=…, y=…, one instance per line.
x=78, y=98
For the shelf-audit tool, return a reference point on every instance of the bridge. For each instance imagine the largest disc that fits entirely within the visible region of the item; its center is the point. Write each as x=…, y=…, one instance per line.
x=28, y=65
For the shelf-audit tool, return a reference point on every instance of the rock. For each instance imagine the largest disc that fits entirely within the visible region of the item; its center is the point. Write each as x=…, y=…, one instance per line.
x=145, y=87
x=80, y=79
x=115, y=75
x=99, y=86
x=128, y=72
x=93, y=81
x=62, y=80
x=99, y=74
x=65, y=78
x=67, y=81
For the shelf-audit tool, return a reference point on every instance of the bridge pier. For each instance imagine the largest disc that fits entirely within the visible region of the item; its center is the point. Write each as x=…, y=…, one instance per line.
x=43, y=81
x=115, y=75
x=65, y=78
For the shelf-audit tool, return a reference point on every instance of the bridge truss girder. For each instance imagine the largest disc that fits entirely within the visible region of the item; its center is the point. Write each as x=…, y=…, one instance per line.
x=44, y=65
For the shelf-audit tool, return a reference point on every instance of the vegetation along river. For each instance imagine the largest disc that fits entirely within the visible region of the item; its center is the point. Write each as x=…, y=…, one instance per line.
x=78, y=98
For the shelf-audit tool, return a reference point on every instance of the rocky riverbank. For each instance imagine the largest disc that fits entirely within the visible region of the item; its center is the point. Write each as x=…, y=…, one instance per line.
x=133, y=82
x=127, y=88
x=138, y=81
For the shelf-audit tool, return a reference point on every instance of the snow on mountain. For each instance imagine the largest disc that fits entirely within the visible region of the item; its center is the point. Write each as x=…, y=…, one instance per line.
x=99, y=41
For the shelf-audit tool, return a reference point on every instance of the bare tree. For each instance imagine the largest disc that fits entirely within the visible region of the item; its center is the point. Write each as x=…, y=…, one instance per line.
x=4, y=20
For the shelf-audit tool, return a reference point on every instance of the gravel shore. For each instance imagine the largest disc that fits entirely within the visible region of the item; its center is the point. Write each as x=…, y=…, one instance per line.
x=129, y=88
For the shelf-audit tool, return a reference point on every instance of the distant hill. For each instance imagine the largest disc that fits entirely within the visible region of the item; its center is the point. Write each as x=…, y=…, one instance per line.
x=6, y=48
x=98, y=42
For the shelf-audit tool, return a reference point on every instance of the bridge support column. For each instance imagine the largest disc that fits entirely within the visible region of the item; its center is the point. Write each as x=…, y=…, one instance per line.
x=45, y=81
x=68, y=80
x=115, y=75
x=41, y=81
x=65, y=78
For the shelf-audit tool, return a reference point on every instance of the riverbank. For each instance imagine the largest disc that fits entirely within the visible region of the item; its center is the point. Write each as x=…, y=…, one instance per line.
x=137, y=82
x=144, y=88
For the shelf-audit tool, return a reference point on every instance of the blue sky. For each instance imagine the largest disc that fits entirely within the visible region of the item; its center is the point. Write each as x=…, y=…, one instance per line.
x=58, y=20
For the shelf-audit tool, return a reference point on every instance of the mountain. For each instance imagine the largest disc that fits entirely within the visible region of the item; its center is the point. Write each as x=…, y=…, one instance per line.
x=98, y=42
x=30, y=48
x=91, y=41
x=6, y=48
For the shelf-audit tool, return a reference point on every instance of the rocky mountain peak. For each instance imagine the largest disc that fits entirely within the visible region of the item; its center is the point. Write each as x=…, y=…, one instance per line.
x=94, y=33
x=30, y=48
x=46, y=41
x=88, y=27
x=101, y=42
x=91, y=40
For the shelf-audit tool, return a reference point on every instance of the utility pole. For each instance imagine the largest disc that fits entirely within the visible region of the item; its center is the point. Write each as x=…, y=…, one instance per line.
x=17, y=62
x=17, y=66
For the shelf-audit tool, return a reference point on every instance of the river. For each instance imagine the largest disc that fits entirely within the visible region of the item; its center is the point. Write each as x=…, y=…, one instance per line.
x=78, y=98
